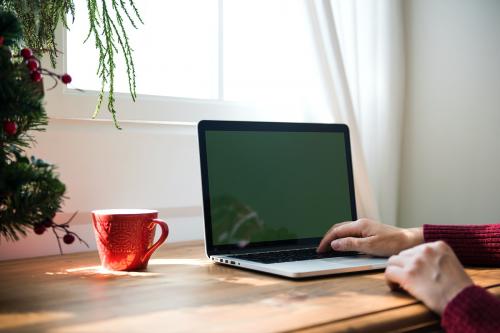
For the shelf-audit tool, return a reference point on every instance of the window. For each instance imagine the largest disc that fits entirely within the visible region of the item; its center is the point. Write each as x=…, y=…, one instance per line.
x=234, y=59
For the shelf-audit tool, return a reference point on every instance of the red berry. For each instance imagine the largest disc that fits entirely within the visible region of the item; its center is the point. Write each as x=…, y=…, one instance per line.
x=68, y=238
x=26, y=53
x=47, y=223
x=66, y=78
x=10, y=127
x=32, y=64
x=39, y=229
x=36, y=76
x=2, y=40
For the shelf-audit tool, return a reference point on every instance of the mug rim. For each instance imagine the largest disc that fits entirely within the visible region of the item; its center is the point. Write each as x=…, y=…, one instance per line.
x=124, y=211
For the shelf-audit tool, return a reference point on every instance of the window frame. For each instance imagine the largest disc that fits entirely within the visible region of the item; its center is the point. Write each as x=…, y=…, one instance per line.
x=65, y=103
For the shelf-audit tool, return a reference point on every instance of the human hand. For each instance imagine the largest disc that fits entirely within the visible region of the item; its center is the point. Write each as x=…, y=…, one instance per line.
x=371, y=237
x=430, y=272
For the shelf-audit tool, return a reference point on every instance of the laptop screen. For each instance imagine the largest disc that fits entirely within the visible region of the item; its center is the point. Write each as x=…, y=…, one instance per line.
x=272, y=186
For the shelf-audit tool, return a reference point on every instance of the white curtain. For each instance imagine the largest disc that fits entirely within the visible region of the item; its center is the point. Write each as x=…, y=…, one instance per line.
x=359, y=47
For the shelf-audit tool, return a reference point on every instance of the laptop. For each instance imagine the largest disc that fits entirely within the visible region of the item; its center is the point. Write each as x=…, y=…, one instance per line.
x=272, y=190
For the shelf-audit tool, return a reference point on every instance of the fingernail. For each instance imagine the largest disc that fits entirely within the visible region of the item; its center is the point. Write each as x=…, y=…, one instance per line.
x=335, y=245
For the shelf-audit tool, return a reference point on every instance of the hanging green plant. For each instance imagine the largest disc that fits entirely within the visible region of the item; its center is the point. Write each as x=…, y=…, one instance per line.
x=108, y=19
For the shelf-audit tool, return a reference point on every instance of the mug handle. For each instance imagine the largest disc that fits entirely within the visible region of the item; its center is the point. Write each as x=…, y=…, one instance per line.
x=164, y=234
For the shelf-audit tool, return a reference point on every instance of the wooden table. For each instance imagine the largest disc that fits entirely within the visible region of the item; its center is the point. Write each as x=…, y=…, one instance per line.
x=183, y=291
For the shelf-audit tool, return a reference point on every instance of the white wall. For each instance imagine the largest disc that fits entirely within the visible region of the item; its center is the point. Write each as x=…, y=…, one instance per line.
x=451, y=149
x=152, y=166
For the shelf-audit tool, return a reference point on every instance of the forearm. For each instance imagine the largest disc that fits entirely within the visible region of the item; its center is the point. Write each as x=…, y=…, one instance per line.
x=473, y=244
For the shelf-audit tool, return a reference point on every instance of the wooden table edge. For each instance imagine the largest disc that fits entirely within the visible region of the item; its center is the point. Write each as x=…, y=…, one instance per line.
x=406, y=318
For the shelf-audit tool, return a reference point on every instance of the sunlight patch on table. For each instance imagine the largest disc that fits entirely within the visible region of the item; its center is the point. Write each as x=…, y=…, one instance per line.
x=101, y=272
x=15, y=320
x=186, y=262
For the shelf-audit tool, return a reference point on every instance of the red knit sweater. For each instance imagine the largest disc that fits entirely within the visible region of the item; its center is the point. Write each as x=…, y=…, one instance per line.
x=473, y=309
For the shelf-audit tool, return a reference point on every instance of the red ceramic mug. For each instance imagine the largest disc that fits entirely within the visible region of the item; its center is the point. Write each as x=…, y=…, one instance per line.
x=125, y=237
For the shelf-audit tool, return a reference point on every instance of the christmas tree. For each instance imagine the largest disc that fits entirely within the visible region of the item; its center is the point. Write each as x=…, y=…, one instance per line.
x=30, y=191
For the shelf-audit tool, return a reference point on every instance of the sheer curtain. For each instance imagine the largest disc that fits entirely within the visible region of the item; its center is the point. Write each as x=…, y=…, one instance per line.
x=359, y=47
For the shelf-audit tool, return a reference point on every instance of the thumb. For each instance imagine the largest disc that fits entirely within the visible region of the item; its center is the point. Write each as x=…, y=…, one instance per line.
x=349, y=244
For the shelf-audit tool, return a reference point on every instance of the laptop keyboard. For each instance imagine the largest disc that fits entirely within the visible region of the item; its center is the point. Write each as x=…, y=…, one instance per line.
x=290, y=255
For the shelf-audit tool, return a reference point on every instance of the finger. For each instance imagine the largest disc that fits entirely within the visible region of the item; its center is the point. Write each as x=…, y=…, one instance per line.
x=397, y=260
x=350, y=244
x=395, y=286
x=324, y=245
x=336, y=225
x=349, y=229
x=394, y=275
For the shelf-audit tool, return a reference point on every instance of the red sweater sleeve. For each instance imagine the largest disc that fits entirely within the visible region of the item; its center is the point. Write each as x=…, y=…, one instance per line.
x=473, y=310
x=473, y=244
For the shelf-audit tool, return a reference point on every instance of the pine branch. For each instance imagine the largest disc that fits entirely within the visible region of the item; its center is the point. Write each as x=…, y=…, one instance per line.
x=102, y=23
x=127, y=51
x=31, y=192
x=107, y=19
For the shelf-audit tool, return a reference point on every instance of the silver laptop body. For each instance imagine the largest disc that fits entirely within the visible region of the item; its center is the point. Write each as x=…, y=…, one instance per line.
x=271, y=191
x=308, y=268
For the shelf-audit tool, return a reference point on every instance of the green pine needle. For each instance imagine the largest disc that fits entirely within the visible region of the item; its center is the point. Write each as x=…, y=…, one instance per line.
x=108, y=21
x=108, y=18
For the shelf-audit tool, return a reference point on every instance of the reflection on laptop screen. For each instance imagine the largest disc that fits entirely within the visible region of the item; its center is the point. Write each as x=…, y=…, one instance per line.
x=269, y=186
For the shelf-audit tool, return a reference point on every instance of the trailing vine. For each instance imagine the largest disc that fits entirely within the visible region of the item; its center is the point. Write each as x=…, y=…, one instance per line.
x=107, y=18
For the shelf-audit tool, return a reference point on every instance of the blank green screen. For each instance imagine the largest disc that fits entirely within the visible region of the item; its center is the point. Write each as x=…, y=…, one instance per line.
x=269, y=186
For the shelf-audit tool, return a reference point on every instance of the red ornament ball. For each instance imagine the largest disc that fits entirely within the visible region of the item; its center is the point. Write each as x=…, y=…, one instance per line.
x=39, y=229
x=32, y=64
x=36, y=76
x=10, y=127
x=2, y=40
x=68, y=238
x=26, y=53
x=66, y=78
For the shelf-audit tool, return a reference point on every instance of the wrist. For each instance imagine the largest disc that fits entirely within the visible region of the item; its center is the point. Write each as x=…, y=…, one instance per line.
x=413, y=237
x=452, y=292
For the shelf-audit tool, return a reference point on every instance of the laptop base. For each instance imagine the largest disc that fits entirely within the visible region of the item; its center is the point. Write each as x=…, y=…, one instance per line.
x=308, y=268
